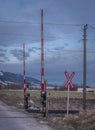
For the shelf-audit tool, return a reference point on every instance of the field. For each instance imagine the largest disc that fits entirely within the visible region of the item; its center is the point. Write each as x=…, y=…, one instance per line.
x=16, y=96
x=58, y=100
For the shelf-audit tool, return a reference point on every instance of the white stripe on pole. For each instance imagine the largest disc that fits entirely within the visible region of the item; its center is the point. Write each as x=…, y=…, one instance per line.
x=24, y=69
x=68, y=100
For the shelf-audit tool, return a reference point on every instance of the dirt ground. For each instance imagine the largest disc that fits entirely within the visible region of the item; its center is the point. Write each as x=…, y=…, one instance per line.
x=85, y=120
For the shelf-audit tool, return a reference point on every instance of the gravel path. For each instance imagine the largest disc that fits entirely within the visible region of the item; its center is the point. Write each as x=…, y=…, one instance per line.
x=14, y=119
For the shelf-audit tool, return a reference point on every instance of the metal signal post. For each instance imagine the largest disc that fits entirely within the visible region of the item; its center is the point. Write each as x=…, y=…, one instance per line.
x=26, y=95
x=43, y=82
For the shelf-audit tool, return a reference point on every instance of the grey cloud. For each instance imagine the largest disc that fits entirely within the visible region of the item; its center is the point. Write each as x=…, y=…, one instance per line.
x=2, y=61
x=31, y=50
x=3, y=57
x=19, y=54
x=54, y=49
x=50, y=51
x=65, y=11
x=59, y=48
x=34, y=49
x=14, y=32
x=3, y=50
x=66, y=44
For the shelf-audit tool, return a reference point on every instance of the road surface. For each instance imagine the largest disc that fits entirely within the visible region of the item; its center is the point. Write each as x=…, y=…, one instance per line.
x=13, y=119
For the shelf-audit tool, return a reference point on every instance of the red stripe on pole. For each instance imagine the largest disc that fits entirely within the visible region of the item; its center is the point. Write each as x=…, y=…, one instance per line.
x=24, y=91
x=42, y=71
x=43, y=87
x=42, y=56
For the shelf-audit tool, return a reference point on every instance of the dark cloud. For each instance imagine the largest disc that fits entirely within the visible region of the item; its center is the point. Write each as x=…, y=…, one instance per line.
x=2, y=61
x=34, y=49
x=4, y=57
x=3, y=50
x=54, y=50
x=19, y=54
x=20, y=22
x=66, y=44
x=59, y=48
x=12, y=34
x=50, y=50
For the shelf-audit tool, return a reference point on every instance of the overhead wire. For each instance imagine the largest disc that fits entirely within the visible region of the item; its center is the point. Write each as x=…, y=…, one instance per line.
x=47, y=23
x=92, y=26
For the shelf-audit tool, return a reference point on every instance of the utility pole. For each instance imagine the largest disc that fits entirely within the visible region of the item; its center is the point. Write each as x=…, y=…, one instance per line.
x=84, y=66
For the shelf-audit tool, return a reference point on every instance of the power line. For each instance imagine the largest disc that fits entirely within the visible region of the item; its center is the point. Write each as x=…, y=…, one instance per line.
x=63, y=24
x=46, y=36
x=19, y=22
x=47, y=23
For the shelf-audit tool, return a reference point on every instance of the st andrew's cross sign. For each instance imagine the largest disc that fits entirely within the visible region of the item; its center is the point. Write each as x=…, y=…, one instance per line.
x=69, y=80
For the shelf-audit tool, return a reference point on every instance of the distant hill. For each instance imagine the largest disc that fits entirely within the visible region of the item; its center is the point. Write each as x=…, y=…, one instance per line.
x=6, y=77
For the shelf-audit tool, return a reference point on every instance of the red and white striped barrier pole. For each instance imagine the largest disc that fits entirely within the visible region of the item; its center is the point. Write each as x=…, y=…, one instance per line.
x=24, y=67
x=42, y=55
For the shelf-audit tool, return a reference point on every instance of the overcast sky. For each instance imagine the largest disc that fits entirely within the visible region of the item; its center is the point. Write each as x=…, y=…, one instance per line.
x=63, y=38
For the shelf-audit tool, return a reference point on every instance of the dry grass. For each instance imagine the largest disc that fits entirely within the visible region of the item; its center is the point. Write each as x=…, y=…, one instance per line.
x=84, y=121
x=14, y=97
x=73, y=94
x=11, y=97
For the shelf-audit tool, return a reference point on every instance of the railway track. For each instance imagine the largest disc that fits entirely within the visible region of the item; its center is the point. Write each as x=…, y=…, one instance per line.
x=54, y=111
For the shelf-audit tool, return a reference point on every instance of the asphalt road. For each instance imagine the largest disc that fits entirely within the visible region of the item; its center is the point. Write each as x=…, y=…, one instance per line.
x=12, y=119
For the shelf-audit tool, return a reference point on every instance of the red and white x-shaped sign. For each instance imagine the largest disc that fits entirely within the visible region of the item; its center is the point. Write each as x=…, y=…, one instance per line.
x=69, y=82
